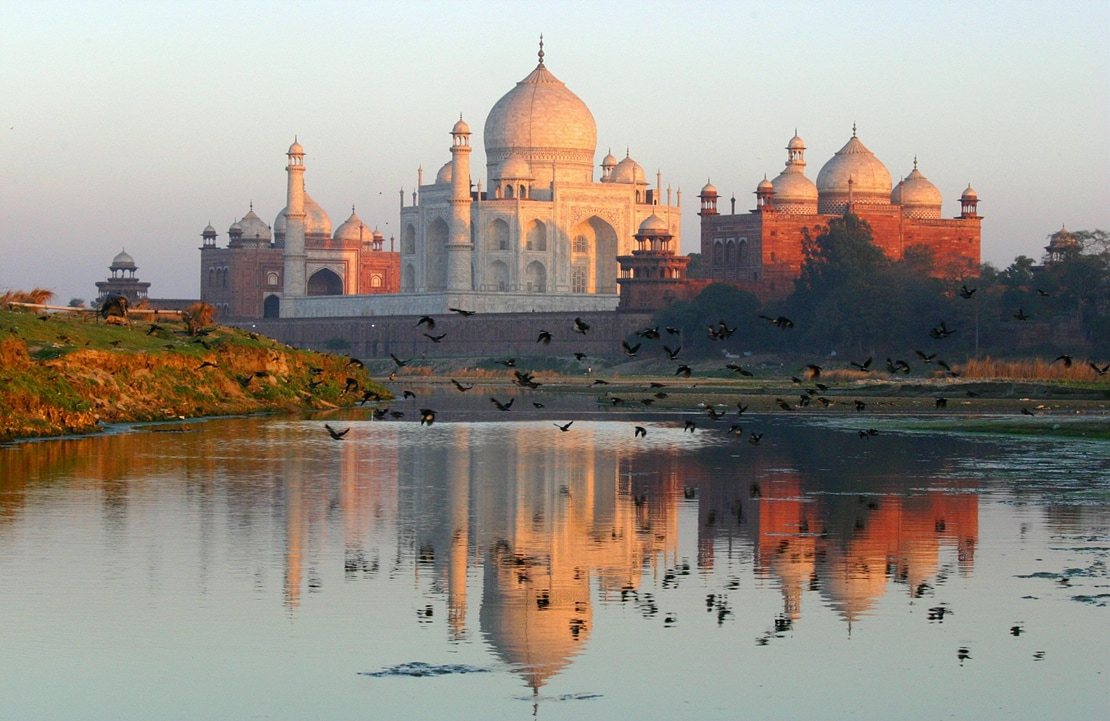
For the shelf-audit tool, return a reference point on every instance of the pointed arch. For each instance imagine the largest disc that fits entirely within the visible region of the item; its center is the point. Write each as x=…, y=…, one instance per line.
x=496, y=276
x=600, y=239
x=497, y=235
x=271, y=307
x=535, y=277
x=408, y=279
x=535, y=235
x=325, y=282
x=435, y=255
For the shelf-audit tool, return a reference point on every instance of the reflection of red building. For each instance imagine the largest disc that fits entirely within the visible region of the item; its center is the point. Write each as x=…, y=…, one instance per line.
x=761, y=250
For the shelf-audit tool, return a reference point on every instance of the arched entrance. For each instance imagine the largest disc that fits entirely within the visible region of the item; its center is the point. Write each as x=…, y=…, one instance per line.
x=435, y=257
x=599, y=241
x=535, y=277
x=271, y=307
x=325, y=282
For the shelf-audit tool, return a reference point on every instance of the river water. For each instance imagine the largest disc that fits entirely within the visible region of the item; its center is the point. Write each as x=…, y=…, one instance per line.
x=493, y=566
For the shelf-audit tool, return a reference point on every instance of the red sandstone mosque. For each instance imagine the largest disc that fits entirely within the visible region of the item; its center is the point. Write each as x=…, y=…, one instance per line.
x=761, y=250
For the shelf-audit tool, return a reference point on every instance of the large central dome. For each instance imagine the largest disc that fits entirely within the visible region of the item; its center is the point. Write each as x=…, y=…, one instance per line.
x=545, y=124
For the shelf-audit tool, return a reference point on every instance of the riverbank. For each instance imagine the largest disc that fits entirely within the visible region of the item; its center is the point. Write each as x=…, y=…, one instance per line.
x=66, y=373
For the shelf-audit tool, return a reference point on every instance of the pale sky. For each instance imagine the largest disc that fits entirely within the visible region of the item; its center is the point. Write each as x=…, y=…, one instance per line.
x=134, y=124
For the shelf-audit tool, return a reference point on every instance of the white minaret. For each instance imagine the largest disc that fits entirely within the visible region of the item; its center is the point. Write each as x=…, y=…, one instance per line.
x=459, y=247
x=294, y=285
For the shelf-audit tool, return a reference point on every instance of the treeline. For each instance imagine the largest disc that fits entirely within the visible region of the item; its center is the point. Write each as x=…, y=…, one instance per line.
x=854, y=301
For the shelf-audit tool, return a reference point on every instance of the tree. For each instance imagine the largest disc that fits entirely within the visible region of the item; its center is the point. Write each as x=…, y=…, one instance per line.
x=717, y=302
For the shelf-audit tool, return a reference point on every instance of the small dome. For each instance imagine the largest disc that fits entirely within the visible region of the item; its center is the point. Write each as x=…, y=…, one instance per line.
x=917, y=195
x=295, y=149
x=654, y=225
x=235, y=229
x=796, y=143
x=123, y=260
x=461, y=128
x=254, y=228
x=353, y=229
x=709, y=189
x=764, y=186
x=445, y=174
x=628, y=171
x=609, y=161
x=969, y=194
x=516, y=168
x=208, y=230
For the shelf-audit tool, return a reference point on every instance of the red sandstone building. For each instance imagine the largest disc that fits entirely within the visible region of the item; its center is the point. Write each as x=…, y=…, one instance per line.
x=761, y=250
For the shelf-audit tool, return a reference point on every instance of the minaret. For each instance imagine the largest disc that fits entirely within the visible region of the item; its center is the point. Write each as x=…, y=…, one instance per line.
x=295, y=285
x=459, y=247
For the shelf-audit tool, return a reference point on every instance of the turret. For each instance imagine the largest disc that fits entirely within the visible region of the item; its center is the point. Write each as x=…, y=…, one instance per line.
x=459, y=247
x=294, y=255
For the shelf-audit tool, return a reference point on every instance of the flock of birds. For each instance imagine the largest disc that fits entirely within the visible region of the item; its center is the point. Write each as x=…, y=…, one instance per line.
x=812, y=391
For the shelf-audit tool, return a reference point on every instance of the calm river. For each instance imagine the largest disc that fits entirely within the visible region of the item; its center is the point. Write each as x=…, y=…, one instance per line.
x=492, y=566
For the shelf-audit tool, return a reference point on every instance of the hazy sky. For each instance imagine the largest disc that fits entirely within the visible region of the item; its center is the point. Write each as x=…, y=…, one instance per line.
x=135, y=124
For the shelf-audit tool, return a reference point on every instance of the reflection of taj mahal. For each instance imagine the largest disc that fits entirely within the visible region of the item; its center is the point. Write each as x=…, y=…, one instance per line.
x=542, y=234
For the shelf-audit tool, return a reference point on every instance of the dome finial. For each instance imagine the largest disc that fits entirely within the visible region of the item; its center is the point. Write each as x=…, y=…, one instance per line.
x=915, y=161
x=541, y=50
x=853, y=129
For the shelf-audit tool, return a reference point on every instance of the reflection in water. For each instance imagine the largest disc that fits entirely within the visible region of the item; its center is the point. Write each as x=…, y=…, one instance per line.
x=532, y=528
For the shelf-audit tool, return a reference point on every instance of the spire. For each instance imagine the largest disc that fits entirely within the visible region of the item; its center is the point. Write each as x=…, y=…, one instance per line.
x=853, y=129
x=541, y=50
x=915, y=161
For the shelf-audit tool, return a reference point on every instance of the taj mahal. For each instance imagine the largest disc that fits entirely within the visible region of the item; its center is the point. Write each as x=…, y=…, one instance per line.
x=541, y=234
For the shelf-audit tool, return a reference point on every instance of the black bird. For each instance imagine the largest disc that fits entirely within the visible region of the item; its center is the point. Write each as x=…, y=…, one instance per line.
x=564, y=428
x=408, y=394
x=656, y=384
x=781, y=321
x=400, y=363
x=356, y=363
x=246, y=380
x=1100, y=371
x=796, y=380
x=379, y=413
x=154, y=328
x=714, y=414
x=544, y=337
x=649, y=333
x=673, y=331
x=1066, y=358
x=337, y=435
x=648, y=401
x=427, y=416
x=616, y=400
x=672, y=354
x=684, y=370
x=755, y=438
x=942, y=402
x=865, y=366
x=783, y=404
x=941, y=331
x=738, y=369
x=435, y=338
x=723, y=331
x=207, y=364
x=599, y=382
x=537, y=404
x=580, y=326
x=966, y=292
x=426, y=320
x=814, y=371
x=510, y=363
x=313, y=385
x=924, y=357
x=502, y=406
x=971, y=394
x=690, y=426
x=460, y=386
x=580, y=356
x=1042, y=293
x=736, y=430
x=902, y=366
x=397, y=414
x=370, y=395
x=630, y=350
x=1026, y=412
x=524, y=380
x=740, y=408
x=463, y=313
x=660, y=395
x=640, y=432
x=1020, y=315
x=350, y=387
x=860, y=405
x=945, y=366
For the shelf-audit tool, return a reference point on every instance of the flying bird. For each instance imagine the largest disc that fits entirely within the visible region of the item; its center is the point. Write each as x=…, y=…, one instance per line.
x=672, y=354
x=510, y=363
x=780, y=321
x=502, y=406
x=1066, y=358
x=926, y=358
x=865, y=366
x=580, y=326
x=755, y=438
x=207, y=364
x=630, y=350
x=336, y=435
x=564, y=428
x=1100, y=371
x=435, y=338
x=673, y=331
x=408, y=394
x=966, y=292
x=649, y=333
x=463, y=313
x=580, y=356
x=426, y=320
x=1020, y=315
x=738, y=369
x=427, y=416
x=942, y=403
x=640, y=432
x=544, y=337
x=814, y=371
x=690, y=426
x=684, y=370
x=400, y=363
x=460, y=386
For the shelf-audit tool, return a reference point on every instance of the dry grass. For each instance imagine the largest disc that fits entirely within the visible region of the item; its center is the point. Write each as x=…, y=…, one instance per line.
x=1030, y=369
x=37, y=296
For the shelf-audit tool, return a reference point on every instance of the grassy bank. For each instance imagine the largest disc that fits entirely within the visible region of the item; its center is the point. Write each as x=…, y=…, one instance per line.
x=66, y=373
